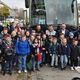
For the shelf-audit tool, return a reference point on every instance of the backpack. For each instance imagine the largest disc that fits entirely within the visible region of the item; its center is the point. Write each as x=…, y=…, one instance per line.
x=8, y=50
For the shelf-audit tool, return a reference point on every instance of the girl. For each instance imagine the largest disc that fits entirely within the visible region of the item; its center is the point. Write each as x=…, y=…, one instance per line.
x=37, y=61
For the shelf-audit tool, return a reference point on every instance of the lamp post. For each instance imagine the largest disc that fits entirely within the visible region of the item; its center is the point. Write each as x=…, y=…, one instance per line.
x=76, y=9
x=30, y=13
x=25, y=17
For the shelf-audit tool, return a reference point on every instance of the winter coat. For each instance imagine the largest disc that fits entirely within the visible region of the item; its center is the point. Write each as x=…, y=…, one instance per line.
x=74, y=52
x=54, y=48
x=7, y=50
x=44, y=44
x=32, y=48
x=66, y=33
x=64, y=50
x=22, y=47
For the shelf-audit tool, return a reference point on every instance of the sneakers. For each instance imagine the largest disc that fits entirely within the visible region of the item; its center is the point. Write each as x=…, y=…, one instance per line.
x=76, y=68
x=19, y=71
x=25, y=71
x=72, y=68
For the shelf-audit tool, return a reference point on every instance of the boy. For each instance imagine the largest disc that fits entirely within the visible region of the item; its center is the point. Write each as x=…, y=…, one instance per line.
x=7, y=49
x=54, y=52
x=64, y=52
x=44, y=45
x=74, y=54
x=22, y=50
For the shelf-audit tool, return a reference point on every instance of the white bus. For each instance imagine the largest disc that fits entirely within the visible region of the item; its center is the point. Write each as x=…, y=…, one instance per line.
x=52, y=12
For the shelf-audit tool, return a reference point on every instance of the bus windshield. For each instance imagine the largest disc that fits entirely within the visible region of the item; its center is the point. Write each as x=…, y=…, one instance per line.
x=60, y=11
x=53, y=12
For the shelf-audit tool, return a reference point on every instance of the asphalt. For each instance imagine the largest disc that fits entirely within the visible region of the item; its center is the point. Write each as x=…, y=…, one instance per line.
x=46, y=73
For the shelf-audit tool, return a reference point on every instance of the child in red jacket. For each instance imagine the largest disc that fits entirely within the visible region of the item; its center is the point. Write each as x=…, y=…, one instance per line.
x=37, y=55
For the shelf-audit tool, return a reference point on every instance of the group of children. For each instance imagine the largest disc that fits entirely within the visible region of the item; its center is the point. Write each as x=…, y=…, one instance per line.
x=42, y=48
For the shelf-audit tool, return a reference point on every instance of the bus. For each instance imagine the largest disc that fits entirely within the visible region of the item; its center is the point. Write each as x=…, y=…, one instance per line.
x=52, y=12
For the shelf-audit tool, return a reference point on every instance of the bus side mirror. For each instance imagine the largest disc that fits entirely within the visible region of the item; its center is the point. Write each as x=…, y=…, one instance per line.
x=27, y=3
x=72, y=6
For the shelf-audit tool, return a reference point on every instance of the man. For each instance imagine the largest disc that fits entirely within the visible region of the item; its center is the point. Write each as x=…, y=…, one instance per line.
x=63, y=30
x=50, y=31
x=38, y=29
x=11, y=27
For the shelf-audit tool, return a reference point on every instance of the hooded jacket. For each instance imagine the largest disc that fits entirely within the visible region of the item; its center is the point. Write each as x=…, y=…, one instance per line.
x=22, y=47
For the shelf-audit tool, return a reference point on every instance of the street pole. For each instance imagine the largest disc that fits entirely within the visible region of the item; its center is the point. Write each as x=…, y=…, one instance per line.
x=77, y=13
x=30, y=13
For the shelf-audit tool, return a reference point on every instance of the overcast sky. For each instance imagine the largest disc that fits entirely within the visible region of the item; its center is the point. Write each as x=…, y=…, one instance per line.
x=17, y=3
x=79, y=1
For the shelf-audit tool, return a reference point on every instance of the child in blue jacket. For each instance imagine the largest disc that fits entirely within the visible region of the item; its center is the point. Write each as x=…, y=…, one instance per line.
x=64, y=52
x=22, y=50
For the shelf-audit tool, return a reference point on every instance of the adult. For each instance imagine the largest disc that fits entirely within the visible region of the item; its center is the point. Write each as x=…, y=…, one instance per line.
x=39, y=29
x=11, y=27
x=50, y=31
x=63, y=30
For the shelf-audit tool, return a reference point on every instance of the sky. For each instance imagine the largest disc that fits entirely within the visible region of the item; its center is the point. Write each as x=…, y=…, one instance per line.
x=79, y=1
x=18, y=3
x=15, y=3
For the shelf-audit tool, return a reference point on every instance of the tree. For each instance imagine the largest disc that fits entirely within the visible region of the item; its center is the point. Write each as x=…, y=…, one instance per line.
x=4, y=11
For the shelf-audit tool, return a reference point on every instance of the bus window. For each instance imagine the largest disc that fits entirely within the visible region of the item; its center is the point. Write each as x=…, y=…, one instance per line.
x=60, y=11
x=54, y=12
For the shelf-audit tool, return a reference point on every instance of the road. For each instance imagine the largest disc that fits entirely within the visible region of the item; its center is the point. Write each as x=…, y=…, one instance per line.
x=46, y=73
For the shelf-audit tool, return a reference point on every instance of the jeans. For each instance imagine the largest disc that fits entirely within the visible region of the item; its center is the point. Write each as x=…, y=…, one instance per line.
x=54, y=60
x=63, y=60
x=7, y=65
x=43, y=57
x=35, y=64
x=22, y=62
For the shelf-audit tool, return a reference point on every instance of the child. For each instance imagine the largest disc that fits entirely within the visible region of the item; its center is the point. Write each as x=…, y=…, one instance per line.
x=61, y=37
x=37, y=55
x=32, y=51
x=22, y=50
x=49, y=49
x=7, y=49
x=74, y=54
x=54, y=52
x=14, y=40
x=4, y=32
x=44, y=48
x=64, y=52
